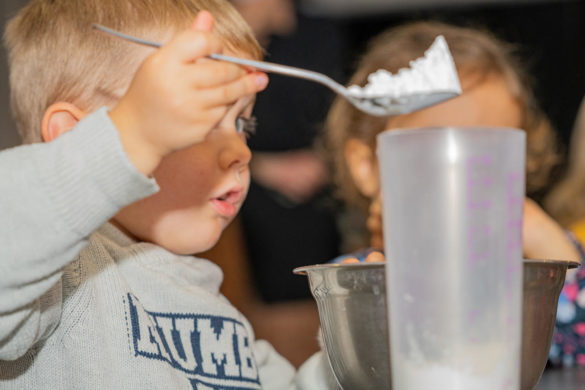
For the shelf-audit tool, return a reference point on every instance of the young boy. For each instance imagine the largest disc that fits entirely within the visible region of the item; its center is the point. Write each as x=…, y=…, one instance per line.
x=98, y=290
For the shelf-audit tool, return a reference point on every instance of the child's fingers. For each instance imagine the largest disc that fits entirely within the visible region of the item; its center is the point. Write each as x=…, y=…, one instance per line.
x=203, y=21
x=375, y=257
x=230, y=92
x=212, y=73
x=350, y=260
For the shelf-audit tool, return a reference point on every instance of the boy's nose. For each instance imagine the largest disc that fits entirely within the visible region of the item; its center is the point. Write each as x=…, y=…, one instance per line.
x=235, y=153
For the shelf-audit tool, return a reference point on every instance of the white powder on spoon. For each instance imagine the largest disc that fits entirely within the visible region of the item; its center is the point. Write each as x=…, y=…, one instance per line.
x=432, y=73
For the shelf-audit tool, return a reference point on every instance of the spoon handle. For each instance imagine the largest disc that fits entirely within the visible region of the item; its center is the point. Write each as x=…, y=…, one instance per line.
x=126, y=36
x=260, y=65
x=285, y=70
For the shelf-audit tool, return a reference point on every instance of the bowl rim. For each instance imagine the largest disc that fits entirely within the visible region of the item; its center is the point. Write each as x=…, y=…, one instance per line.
x=305, y=269
x=568, y=263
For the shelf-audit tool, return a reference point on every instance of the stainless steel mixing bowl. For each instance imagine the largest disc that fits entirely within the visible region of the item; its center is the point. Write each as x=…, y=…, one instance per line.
x=351, y=299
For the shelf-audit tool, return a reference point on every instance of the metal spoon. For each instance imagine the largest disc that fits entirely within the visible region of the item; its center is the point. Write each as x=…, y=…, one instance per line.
x=378, y=106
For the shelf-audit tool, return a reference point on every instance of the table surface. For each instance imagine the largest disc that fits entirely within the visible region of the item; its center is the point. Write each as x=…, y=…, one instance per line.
x=562, y=379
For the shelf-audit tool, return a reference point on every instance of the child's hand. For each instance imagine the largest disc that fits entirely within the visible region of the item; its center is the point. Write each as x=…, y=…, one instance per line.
x=374, y=257
x=177, y=96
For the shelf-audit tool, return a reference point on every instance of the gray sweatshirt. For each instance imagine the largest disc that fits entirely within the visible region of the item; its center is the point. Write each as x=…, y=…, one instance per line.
x=82, y=306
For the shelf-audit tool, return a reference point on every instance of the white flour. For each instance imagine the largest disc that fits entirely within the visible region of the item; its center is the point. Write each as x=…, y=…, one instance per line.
x=435, y=72
x=494, y=370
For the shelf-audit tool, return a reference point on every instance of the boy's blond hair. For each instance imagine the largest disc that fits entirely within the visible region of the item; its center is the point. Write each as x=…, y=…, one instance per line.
x=476, y=53
x=55, y=55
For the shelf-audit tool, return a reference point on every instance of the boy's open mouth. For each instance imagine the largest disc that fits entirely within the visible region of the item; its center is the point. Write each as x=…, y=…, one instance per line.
x=227, y=203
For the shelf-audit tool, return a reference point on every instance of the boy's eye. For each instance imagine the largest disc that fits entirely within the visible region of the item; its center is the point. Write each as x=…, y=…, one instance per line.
x=246, y=126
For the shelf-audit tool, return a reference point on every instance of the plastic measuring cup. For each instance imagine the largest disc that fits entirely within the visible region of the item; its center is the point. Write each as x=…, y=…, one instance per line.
x=452, y=216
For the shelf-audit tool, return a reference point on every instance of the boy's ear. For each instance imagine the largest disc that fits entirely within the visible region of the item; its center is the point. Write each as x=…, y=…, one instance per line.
x=59, y=118
x=361, y=161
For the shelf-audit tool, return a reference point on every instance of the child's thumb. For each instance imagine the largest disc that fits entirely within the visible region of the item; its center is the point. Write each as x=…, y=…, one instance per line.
x=203, y=21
